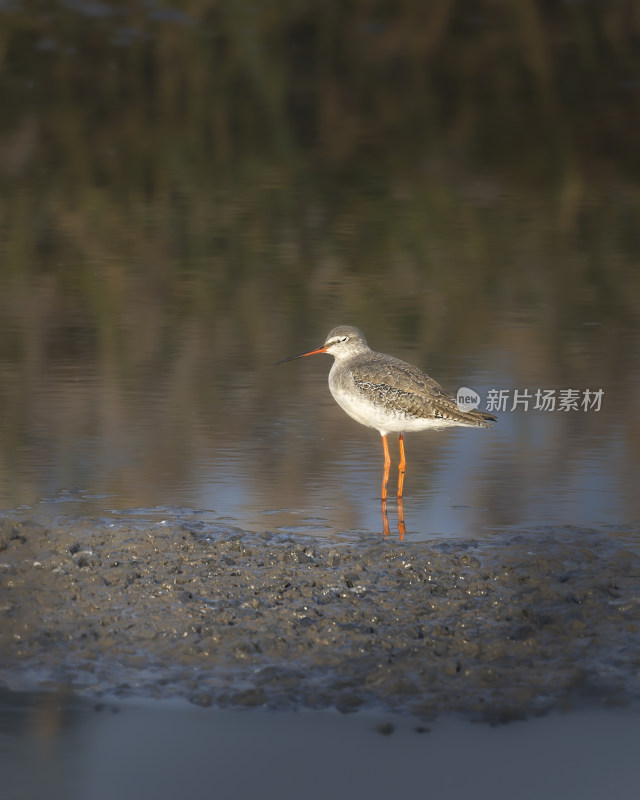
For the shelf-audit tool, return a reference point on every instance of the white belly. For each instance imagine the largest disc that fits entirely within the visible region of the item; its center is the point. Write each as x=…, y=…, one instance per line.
x=380, y=417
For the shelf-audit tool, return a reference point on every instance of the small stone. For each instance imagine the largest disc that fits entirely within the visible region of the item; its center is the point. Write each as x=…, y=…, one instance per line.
x=385, y=728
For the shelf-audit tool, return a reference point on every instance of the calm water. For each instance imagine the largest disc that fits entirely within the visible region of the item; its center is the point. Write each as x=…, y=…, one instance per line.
x=166, y=237
x=132, y=751
x=205, y=423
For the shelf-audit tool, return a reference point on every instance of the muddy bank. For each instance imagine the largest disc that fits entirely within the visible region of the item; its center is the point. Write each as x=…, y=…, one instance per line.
x=498, y=629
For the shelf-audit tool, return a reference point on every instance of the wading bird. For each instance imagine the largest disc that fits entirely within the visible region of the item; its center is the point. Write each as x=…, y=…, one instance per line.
x=387, y=394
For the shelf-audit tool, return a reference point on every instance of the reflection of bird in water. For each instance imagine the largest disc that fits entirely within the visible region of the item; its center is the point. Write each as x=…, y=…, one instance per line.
x=387, y=394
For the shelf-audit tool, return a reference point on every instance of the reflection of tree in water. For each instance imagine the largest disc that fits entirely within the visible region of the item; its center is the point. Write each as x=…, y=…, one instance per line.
x=188, y=199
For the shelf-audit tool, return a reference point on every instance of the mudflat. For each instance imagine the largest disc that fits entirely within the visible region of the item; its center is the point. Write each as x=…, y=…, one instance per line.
x=499, y=628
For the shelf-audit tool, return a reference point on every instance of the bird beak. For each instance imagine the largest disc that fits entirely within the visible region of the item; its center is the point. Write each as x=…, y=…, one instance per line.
x=302, y=355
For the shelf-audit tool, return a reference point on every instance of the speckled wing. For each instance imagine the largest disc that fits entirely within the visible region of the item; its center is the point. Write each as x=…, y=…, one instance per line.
x=409, y=390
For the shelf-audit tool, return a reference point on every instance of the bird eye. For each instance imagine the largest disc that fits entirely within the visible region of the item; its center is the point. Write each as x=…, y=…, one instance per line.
x=343, y=338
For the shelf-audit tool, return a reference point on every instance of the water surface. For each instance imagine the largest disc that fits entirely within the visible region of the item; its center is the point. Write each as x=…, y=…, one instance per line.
x=190, y=197
x=134, y=750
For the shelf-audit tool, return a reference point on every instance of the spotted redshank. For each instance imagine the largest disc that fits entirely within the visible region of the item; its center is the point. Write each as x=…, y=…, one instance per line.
x=387, y=394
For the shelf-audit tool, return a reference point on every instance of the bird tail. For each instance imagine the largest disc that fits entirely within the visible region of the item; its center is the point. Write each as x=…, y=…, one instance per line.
x=481, y=418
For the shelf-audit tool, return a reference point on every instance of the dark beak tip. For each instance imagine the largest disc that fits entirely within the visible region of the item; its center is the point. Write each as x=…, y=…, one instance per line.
x=301, y=355
x=284, y=360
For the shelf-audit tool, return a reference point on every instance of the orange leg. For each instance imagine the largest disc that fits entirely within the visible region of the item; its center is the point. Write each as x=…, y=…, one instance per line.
x=401, y=467
x=387, y=464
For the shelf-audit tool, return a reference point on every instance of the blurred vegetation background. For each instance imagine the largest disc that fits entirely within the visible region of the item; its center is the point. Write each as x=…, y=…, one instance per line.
x=183, y=183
